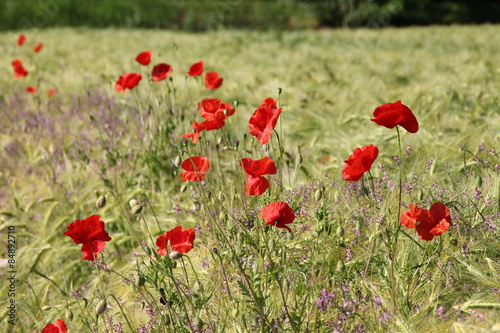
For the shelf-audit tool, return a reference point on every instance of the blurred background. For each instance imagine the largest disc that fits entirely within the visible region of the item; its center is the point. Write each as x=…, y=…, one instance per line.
x=202, y=15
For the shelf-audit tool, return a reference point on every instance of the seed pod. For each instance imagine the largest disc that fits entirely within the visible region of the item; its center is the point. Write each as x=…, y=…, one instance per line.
x=101, y=306
x=177, y=161
x=68, y=315
x=141, y=280
x=318, y=194
x=420, y=195
x=479, y=181
x=133, y=203
x=198, y=323
x=340, y=231
x=136, y=209
x=174, y=255
x=340, y=267
x=100, y=202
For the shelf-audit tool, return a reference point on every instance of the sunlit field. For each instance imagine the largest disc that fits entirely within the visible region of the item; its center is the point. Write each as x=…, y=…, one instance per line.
x=246, y=205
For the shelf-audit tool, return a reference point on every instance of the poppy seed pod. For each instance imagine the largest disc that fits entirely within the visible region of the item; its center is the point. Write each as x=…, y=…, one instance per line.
x=340, y=267
x=198, y=323
x=174, y=255
x=136, y=209
x=340, y=231
x=68, y=315
x=101, y=306
x=101, y=202
x=177, y=161
x=318, y=194
x=133, y=203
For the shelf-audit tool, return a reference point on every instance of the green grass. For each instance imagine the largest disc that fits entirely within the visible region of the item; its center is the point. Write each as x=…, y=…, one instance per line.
x=331, y=82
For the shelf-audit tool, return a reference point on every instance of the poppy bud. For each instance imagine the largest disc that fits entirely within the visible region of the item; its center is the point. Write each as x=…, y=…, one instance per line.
x=236, y=102
x=101, y=306
x=219, y=140
x=235, y=312
x=101, y=202
x=133, y=203
x=177, y=161
x=318, y=194
x=226, y=112
x=479, y=181
x=236, y=143
x=340, y=267
x=279, y=90
x=174, y=255
x=46, y=308
x=222, y=196
x=183, y=188
x=222, y=216
x=340, y=231
x=359, y=225
x=291, y=236
x=141, y=280
x=136, y=209
x=198, y=323
x=454, y=241
x=68, y=315
x=420, y=195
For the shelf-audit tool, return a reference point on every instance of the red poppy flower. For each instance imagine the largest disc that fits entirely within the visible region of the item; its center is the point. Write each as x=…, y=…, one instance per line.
x=89, y=232
x=127, y=81
x=195, y=167
x=428, y=223
x=214, y=112
x=37, y=48
x=213, y=80
x=161, y=72
x=359, y=162
x=196, y=69
x=180, y=241
x=144, y=58
x=278, y=214
x=59, y=327
x=254, y=169
x=31, y=89
x=263, y=120
x=19, y=71
x=392, y=114
x=51, y=92
x=21, y=39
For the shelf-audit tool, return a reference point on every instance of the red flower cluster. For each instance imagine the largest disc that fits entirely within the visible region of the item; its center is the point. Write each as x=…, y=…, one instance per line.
x=19, y=70
x=359, y=162
x=264, y=119
x=180, y=240
x=278, y=214
x=432, y=222
x=214, y=112
x=144, y=58
x=127, y=81
x=21, y=39
x=196, y=69
x=213, y=80
x=161, y=72
x=256, y=184
x=195, y=167
x=38, y=48
x=89, y=232
x=392, y=114
x=58, y=327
